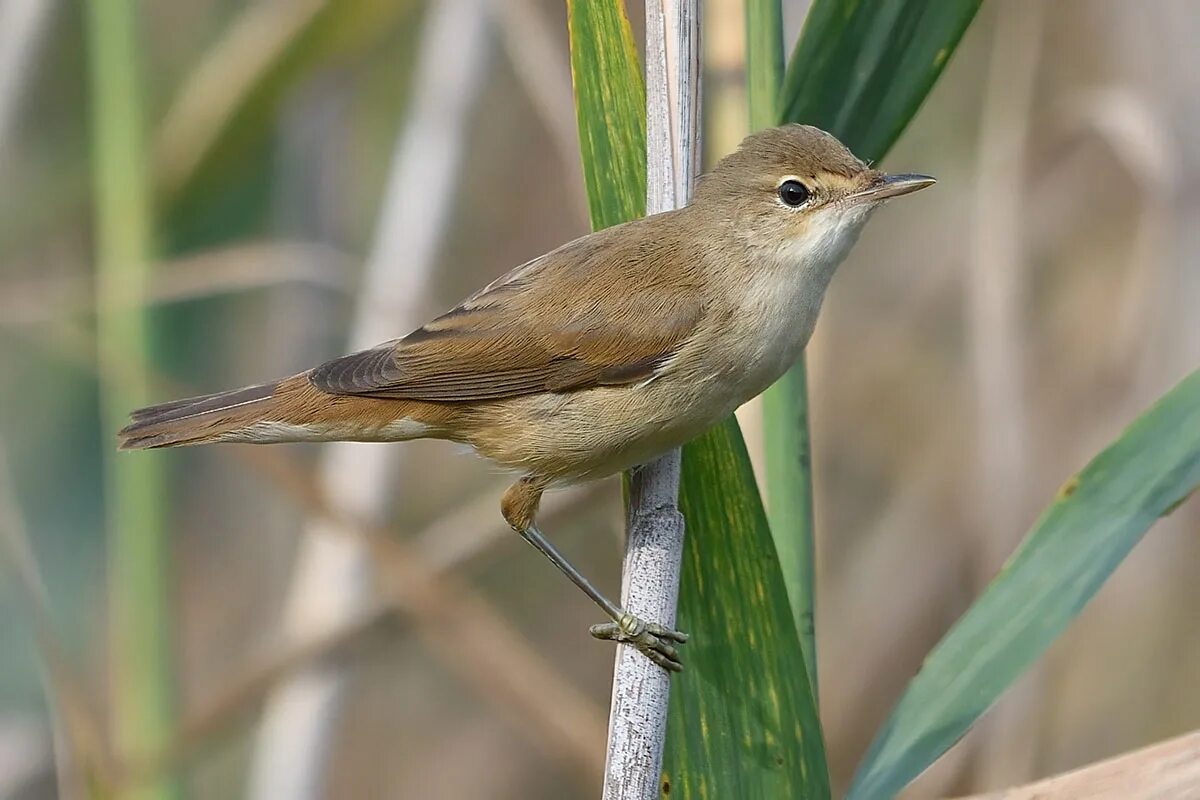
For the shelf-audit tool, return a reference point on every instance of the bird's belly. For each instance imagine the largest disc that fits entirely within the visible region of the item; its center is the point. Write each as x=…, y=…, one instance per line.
x=589, y=434
x=596, y=432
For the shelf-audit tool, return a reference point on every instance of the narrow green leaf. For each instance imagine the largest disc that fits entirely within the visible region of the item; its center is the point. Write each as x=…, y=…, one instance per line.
x=1096, y=519
x=785, y=405
x=764, y=61
x=788, y=455
x=742, y=723
x=742, y=720
x=610, y=106
x=861, y=69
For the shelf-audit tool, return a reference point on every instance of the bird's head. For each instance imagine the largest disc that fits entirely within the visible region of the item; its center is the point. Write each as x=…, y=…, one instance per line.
x=798, y=191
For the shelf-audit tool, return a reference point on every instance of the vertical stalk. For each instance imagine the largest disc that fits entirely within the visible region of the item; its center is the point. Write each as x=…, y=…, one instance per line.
x=786, y=444
x=22, y=23
x=764, y=61
x=654, y=550
x=140, y=642
x=332, y=572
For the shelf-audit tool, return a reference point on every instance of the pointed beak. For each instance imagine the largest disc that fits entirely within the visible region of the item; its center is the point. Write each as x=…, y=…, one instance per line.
x=887, y=186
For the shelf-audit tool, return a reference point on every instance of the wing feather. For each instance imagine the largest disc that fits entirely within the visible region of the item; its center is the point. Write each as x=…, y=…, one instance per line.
x=548, y=326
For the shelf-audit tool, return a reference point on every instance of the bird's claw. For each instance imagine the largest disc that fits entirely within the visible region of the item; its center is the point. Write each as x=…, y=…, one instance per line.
x=652, y=640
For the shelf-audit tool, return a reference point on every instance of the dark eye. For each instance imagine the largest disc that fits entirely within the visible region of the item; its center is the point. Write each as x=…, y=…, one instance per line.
x=793, y=193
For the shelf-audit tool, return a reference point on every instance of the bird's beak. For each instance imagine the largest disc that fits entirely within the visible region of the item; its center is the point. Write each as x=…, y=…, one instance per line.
x=886, y=186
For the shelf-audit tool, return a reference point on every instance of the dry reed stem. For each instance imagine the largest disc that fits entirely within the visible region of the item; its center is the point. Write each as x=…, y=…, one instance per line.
x=461, y=627
x=544, y=70
x=222, y=270
x=21, y=25
x=330, y=577
x=482, y=647
x=1168, y=770
x=80, y=744
x=654, y=551
x=212, y=92
x=1007, y=740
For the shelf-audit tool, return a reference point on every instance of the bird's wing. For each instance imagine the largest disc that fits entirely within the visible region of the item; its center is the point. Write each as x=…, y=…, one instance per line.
x=596, y=312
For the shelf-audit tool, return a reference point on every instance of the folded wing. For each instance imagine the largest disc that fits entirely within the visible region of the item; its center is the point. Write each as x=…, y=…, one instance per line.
x=599, y=311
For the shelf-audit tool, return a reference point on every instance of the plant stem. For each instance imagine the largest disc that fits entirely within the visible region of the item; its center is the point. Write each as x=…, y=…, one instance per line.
x=1164, y=769
x=331, y=582
x=654, y=550
x=140, y=643
x=764, y=61
x=787, y=445
x=22, y=27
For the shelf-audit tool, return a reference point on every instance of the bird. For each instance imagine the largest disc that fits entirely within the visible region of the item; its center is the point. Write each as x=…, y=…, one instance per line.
x=597, y=356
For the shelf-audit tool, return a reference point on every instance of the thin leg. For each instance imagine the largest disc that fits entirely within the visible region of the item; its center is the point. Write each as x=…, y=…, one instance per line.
x=532, y=535
x=651, y=639
x=655, y=641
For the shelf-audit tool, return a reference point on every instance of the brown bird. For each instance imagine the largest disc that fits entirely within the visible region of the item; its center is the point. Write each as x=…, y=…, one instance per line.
x=597, y=356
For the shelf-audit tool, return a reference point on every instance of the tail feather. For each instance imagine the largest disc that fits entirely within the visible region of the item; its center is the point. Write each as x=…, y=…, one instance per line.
x=162, y=408
x=197, y=420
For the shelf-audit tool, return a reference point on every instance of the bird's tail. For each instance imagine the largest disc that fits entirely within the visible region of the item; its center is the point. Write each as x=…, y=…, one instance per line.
x=240, y=415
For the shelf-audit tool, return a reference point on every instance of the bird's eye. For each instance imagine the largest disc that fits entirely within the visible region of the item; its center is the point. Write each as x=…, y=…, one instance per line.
x=793, y=193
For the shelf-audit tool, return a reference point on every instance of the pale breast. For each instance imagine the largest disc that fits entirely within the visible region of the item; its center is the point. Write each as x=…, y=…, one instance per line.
x=782, y=297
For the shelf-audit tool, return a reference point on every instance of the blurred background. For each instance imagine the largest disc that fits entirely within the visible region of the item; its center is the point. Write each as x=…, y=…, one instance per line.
x=353, y=620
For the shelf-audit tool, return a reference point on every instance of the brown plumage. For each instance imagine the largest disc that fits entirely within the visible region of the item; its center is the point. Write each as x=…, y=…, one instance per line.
x=601, y=354
x=598, y=355
x=543, y=328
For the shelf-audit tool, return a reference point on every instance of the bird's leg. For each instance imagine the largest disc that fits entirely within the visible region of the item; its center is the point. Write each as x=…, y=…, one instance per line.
x=656, y=642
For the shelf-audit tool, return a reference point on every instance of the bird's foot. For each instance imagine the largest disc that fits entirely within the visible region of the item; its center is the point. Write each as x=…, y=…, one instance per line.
x=656, y=642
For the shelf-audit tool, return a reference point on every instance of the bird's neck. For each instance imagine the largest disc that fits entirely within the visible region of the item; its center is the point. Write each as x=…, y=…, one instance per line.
x=787, y=283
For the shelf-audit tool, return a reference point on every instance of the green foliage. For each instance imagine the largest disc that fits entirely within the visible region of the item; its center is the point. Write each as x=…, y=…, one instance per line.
x=862, y=69
x=610, y=108
x=785, y=405
x=787, y=452
x=743, y=719
x=764, y=61
x=743, y=722
x=1096, y=519
x=722, y=737
x=137, y=533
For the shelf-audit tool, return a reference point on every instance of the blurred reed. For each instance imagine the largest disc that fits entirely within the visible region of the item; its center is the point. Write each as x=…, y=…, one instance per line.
x=138, y=577
x=331, y=573
x=996, y=292
x=1106, y=316
x=22, y=23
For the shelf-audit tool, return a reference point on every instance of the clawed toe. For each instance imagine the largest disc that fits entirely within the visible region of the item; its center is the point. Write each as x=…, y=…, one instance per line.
x=651, y=639
x=666, y=633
